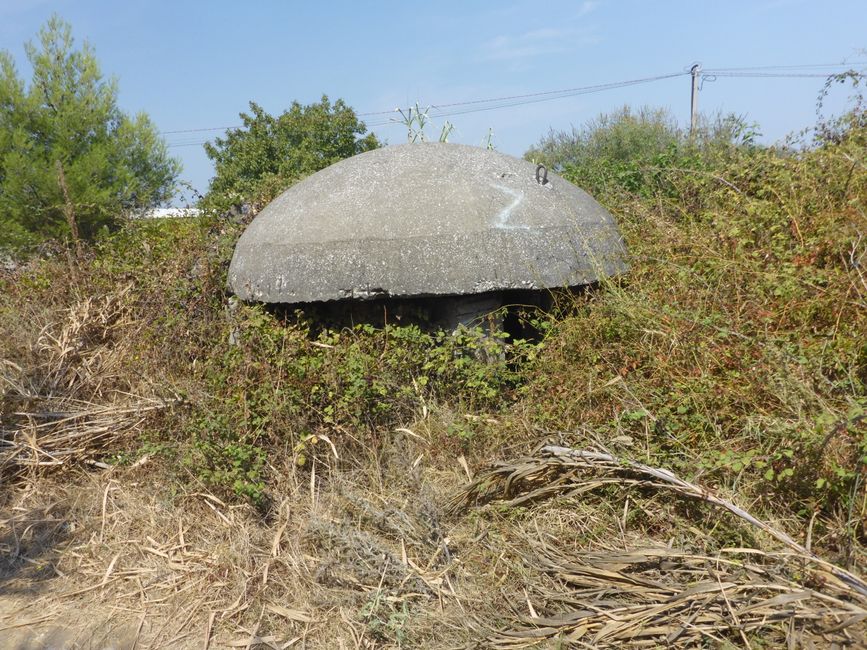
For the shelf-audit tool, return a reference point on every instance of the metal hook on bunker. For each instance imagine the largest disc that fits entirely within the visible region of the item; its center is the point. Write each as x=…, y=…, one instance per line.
x=541, y=178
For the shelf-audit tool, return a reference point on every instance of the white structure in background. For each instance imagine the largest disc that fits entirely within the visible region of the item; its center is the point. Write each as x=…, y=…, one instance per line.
x=168, y=213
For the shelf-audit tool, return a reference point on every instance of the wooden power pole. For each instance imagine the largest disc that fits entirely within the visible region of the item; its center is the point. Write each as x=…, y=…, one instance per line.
x=695, y=71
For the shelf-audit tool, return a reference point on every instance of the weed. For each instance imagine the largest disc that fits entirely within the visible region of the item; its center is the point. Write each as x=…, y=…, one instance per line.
x=384, y=620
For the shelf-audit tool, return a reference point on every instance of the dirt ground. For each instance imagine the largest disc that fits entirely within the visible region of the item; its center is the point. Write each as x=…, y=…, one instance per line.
x=400, y=554
x=351, y=559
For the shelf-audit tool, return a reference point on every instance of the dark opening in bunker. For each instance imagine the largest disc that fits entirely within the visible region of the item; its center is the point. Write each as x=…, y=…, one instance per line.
x=513, y=312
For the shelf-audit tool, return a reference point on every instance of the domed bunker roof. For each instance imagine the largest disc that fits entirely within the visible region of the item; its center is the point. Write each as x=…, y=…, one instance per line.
x=429, y=219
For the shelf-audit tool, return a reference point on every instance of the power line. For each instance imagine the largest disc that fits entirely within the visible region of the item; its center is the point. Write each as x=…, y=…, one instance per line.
x=548, y=94
x=771, y=75
x=577, y=91
x=510, y=101
x=806, y=66
x=534, y=98
x=210, y=128
x=507, y=101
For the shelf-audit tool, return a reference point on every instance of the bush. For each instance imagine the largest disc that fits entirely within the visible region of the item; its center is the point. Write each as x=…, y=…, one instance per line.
x=733, y=351
x=255, y=383
x=256, y=162
x=636, y=151
x=734, y=348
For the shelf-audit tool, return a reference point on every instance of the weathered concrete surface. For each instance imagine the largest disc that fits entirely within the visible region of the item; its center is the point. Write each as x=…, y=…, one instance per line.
x=424, y=220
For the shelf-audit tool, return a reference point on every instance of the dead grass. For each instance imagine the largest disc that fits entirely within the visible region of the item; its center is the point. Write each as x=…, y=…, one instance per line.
x=370, y=551
x=76, y=398
x=345, y=563
x=338, y=565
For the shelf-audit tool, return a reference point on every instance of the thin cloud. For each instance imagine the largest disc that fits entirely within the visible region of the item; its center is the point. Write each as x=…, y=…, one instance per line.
x=535, y=43
x=586, y=7
x=543, y=41
x=773, y=5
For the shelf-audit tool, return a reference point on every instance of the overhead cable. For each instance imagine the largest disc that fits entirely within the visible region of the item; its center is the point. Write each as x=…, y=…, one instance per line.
x=539, y=96
x=450, y=109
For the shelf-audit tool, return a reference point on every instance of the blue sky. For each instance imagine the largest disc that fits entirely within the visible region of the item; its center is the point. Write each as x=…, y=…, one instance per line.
x=194, y=65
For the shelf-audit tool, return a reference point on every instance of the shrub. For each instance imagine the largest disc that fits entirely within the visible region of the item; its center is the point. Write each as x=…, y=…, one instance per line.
x=256, y=162
x=737, y=338
x=636, y=151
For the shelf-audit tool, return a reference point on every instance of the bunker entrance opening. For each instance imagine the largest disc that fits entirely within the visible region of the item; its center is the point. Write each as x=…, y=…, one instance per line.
x=513, y=312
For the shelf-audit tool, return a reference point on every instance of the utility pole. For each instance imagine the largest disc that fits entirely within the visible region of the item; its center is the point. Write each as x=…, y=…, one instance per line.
x=695, y=71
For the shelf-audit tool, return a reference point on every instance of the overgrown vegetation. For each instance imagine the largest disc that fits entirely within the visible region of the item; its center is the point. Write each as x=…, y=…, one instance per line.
x=736, y=344
x=321, y=462
x=636, y=152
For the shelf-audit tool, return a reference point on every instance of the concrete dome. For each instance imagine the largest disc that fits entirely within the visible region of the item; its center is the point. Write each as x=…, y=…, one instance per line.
x=428, y=219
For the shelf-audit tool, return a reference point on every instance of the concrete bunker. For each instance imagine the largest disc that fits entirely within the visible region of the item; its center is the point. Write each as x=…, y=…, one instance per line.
x=450, y=230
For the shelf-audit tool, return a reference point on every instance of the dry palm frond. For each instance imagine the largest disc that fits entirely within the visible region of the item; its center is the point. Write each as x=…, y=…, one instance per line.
x=663, y=596
x=45, y=439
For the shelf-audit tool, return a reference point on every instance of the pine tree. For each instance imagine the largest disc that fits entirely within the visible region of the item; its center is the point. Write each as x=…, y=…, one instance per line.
x=71, y=162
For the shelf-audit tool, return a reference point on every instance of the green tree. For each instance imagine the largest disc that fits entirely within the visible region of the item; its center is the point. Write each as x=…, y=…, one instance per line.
x=629, y=150
x=267, y=154
x=71, y=162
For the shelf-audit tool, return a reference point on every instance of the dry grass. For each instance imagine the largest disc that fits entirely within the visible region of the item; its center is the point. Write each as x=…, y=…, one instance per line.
x=129, y=557
x=72, y=436
x=369, y=552
x=370, y=560
x=343, y=563
x=349, y=559
x=75, y=398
